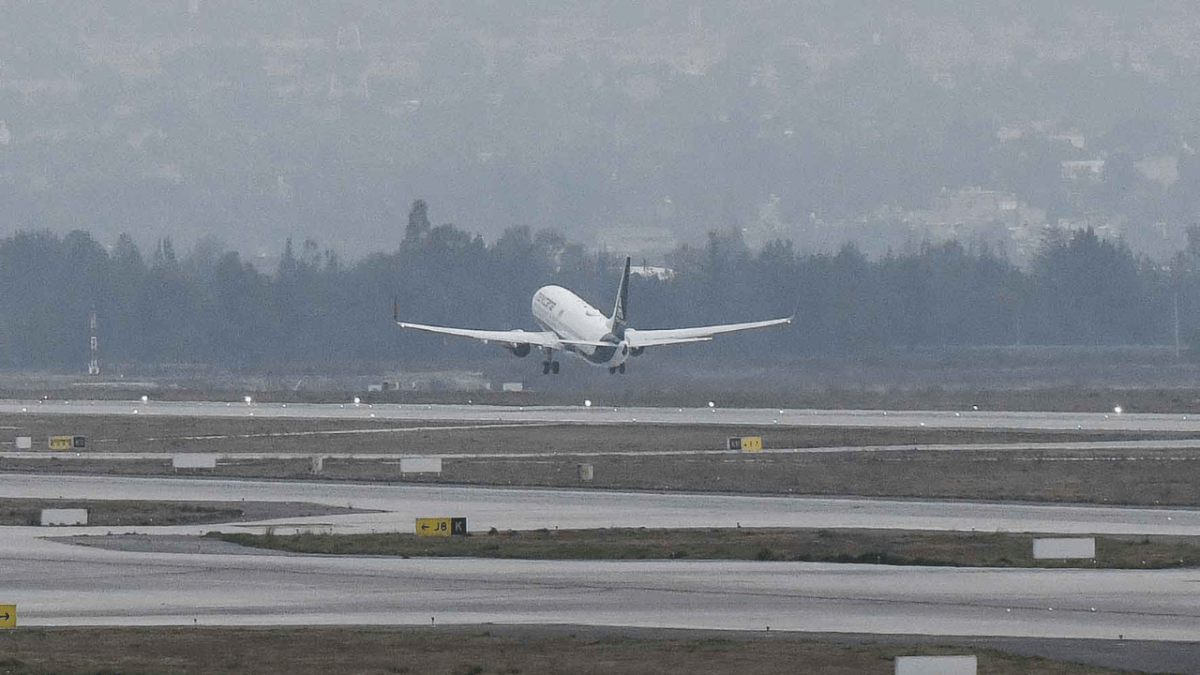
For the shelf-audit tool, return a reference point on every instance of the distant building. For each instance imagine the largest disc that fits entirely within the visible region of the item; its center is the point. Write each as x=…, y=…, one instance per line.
x=1009, y=133
x=1074, y=171
x=651, y=271
x=1105, y=227
x=446, y=380
x=976, y=206
x=974, y=215
x=639, y=242
x=1162, y=169
x=1075, y=138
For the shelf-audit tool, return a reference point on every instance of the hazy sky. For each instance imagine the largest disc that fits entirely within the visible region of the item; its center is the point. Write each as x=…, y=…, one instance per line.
x=629, y=124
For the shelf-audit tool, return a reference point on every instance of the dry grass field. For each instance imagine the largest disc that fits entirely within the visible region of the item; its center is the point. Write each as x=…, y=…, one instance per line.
x=146, y=433
x=890, y=547
x=137, y=513
x=469, y=651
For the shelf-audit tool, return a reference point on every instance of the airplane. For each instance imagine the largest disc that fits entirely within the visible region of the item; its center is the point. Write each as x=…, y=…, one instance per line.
x=572, y=325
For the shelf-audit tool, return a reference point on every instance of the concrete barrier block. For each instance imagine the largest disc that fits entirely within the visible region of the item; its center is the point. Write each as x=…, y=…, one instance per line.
x=1064, y=548
x=194, y=461
x=421, y=465
x=936, y=665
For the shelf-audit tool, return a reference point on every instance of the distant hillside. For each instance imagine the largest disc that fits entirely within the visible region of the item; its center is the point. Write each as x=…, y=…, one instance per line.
x=816, y=122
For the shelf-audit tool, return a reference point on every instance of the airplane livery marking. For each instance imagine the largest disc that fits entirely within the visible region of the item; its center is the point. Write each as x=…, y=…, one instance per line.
x=545, y=301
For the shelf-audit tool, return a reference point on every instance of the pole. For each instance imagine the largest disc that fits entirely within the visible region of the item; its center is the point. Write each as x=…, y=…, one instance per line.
x=1176, y=325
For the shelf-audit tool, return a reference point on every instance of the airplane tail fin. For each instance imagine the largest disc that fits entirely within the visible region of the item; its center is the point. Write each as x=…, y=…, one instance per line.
x=617, y=322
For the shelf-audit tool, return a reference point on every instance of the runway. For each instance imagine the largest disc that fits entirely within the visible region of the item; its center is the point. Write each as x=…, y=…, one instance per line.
x=56, y=584
x=59, y=584
x=601, y=414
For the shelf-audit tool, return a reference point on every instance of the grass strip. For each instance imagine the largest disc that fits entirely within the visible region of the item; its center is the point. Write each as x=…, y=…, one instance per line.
x=137, y=513
x=885, y=547
x=466, y=651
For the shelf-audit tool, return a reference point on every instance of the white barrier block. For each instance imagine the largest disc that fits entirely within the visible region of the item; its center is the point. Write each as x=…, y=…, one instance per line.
x=64, y=517
x=420, y=465
x=24, y=442
x=936, y=665
x=1063, y=549
x=194, y=461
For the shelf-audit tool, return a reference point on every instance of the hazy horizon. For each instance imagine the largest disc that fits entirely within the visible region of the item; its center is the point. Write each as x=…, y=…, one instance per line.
x=637, y=127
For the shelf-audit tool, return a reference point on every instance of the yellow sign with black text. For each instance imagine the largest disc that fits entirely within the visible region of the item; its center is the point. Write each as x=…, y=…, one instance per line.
x=8, y=616
x=60, y=442
x=441, y=527
x=433, y=527
x=746, y=443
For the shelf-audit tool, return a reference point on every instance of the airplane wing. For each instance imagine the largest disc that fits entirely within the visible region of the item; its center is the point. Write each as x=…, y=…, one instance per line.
x=674, y=336
x=547, y=338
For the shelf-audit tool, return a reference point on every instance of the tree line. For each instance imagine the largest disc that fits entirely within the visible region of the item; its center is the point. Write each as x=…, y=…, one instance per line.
x=214, y=308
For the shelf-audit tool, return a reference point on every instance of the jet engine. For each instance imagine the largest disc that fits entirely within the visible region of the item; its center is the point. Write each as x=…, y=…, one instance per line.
x=519, y=350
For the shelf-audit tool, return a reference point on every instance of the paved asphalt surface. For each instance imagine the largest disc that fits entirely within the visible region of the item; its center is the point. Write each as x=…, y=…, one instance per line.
x=1147, y=619
x=599, y=414
x=527, y=509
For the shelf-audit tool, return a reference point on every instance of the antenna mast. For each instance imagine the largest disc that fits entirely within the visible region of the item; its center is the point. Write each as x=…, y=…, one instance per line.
x=94, y=347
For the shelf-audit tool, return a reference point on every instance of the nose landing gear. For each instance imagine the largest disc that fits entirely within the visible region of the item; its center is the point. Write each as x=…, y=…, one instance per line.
x=617, y=369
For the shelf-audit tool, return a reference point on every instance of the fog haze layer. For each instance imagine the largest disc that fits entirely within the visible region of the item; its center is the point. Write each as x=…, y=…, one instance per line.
x=636, y=126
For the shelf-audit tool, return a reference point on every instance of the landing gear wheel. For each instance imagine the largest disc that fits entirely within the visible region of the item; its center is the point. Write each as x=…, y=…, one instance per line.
x=554, y=367
x=612, y=371
x=545, y=367
x=621, y=368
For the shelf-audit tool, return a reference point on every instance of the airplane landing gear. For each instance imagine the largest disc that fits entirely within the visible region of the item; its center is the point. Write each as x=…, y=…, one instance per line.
x=613, y=370
x=550, y=364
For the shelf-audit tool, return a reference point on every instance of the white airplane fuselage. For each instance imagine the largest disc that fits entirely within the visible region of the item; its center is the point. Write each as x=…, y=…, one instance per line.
x=561, y=311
